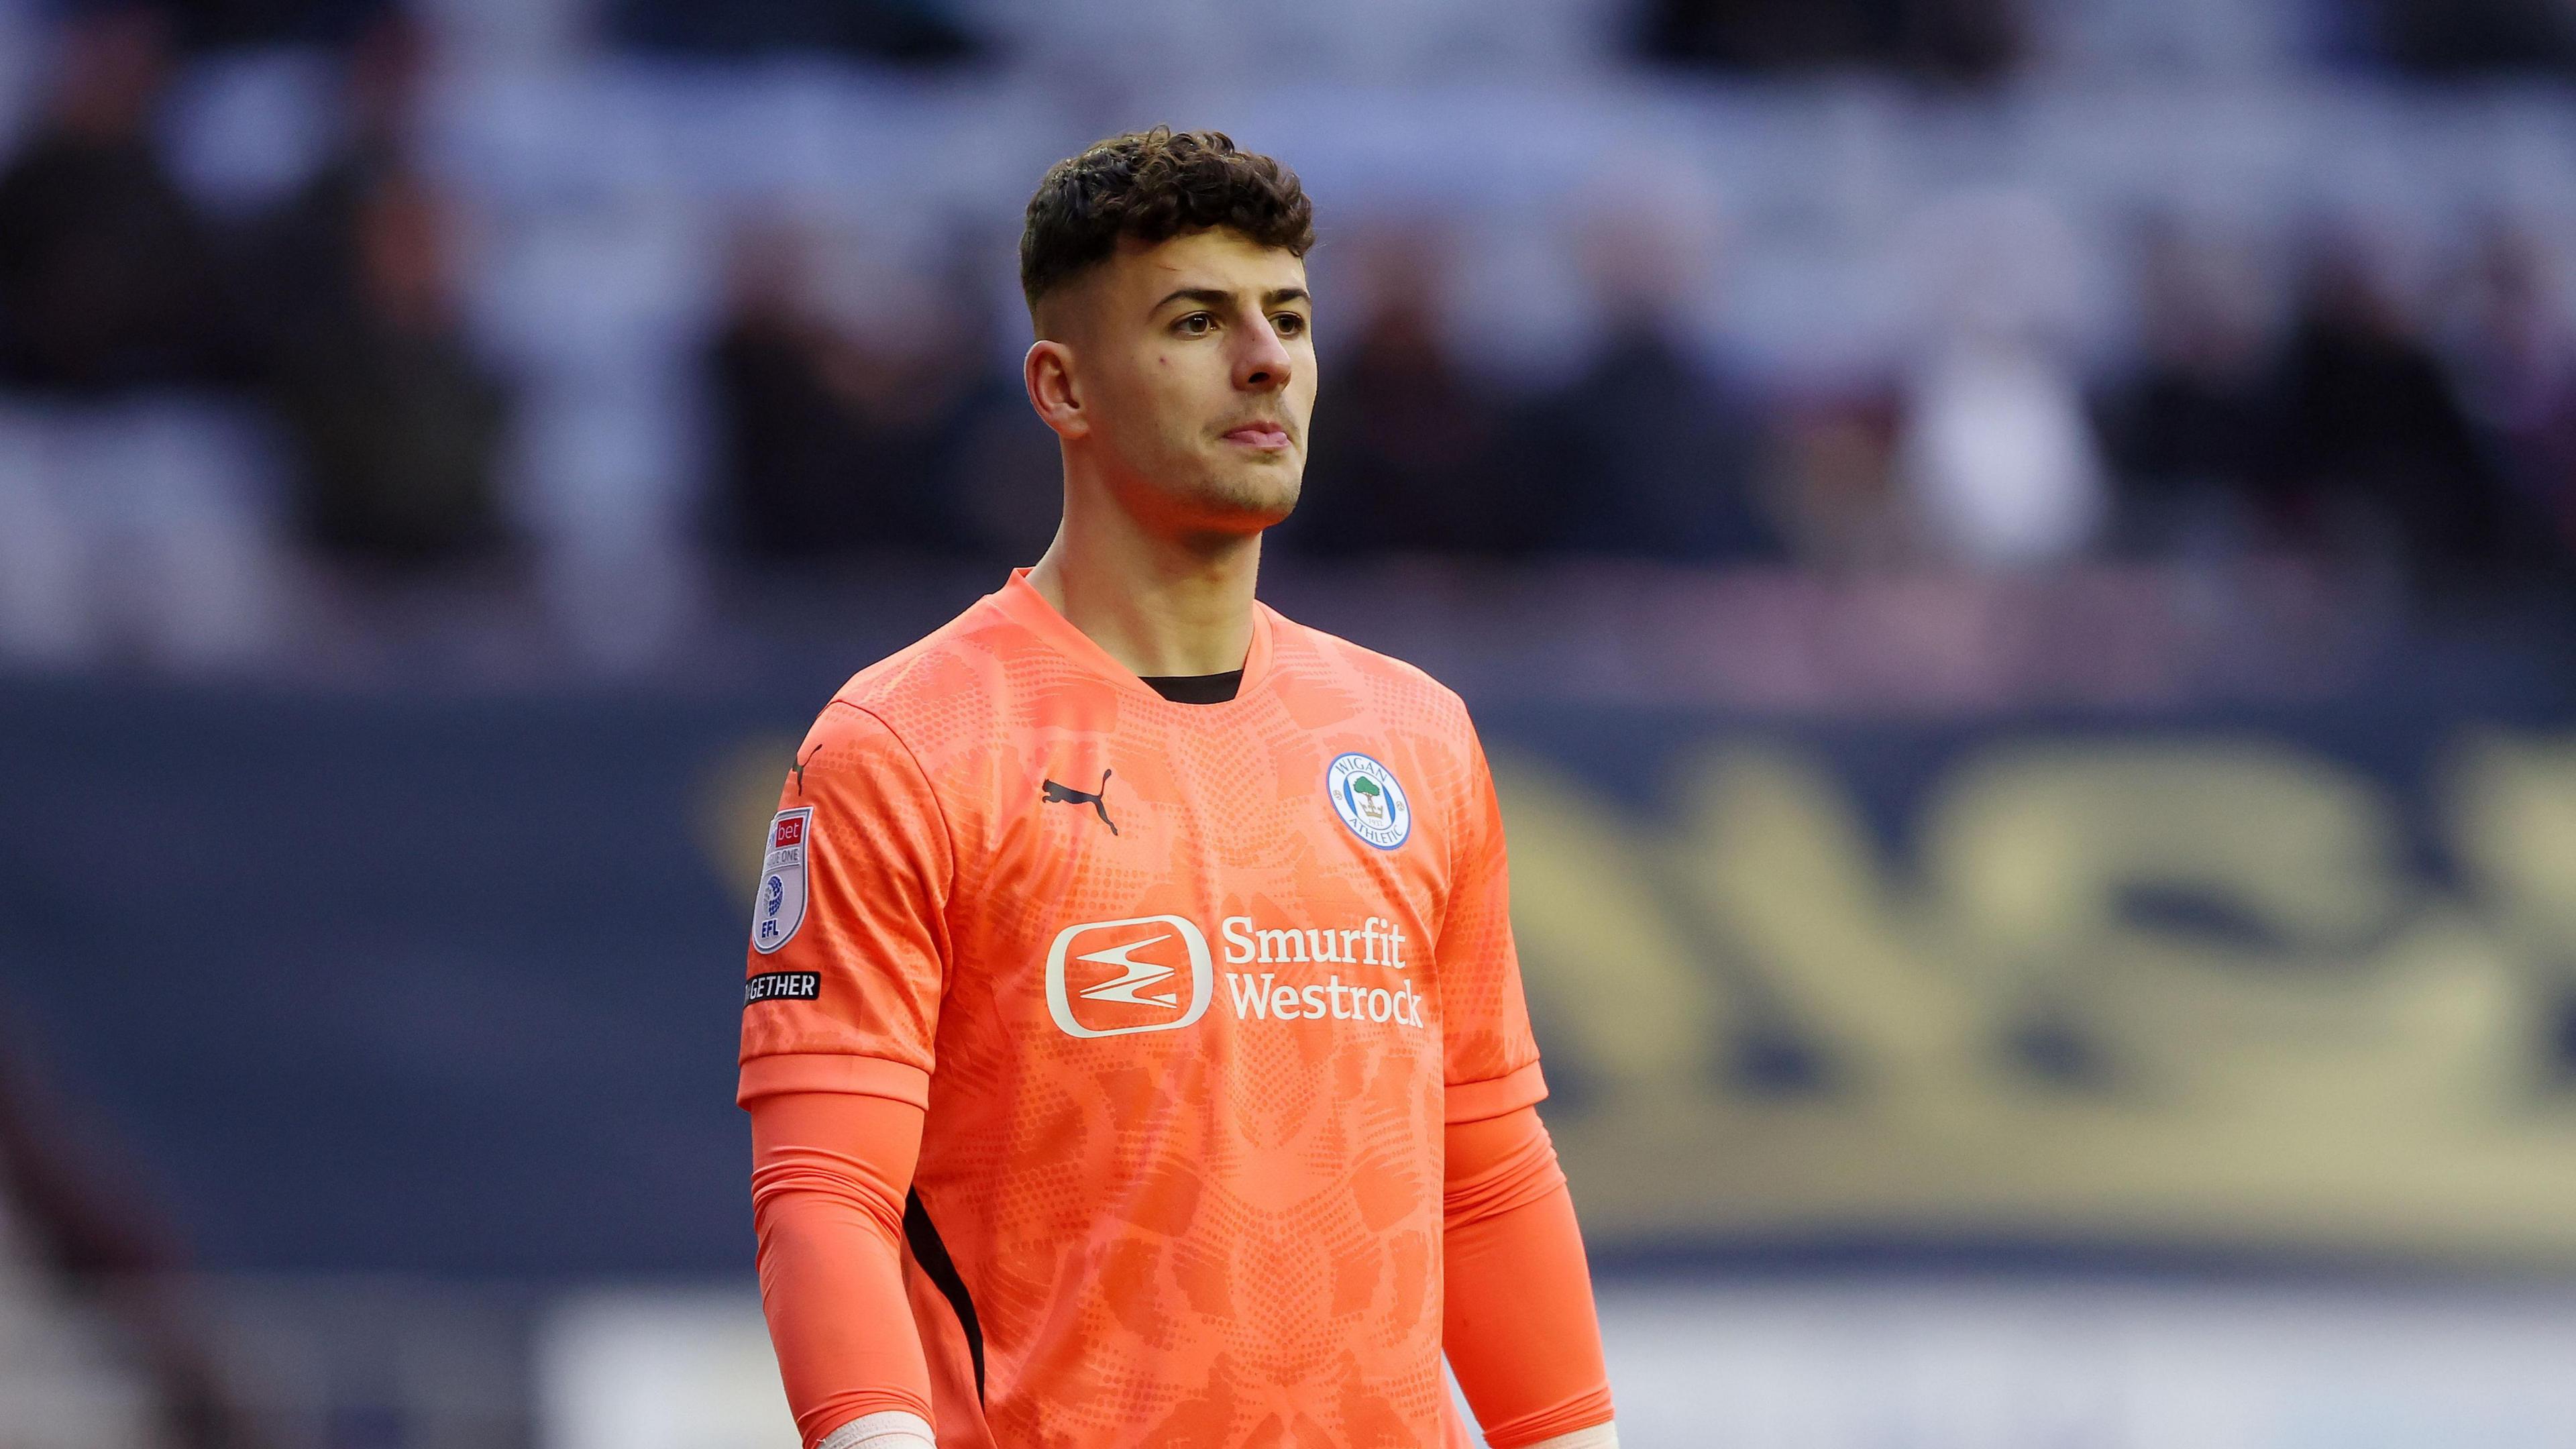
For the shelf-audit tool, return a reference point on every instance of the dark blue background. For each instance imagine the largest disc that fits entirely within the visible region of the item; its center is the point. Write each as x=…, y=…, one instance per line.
x=448, y=985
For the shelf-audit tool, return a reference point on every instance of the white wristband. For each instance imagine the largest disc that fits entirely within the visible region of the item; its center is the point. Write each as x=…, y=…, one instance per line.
x=893, y=1429
x=1599, y=1436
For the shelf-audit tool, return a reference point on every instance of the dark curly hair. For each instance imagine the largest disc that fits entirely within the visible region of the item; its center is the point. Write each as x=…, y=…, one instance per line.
x=1153, y=186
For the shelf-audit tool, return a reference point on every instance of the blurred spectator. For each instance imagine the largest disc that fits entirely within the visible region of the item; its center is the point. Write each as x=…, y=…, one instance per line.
x=2187, y=431
x=2376, y=450
x=1997, y=455
x=1831, y=481
x=2451, y=38
x=395, y=424
x=834, y=429
x=1004, y=468
x=308, y=253
x=107, y=280
x=1650, y=452
x=1964, y=40
x=911, y=32
x=126, y=486
x=208, y=24
x=1007, y=471
x=2517, y=364
x=1408, y=453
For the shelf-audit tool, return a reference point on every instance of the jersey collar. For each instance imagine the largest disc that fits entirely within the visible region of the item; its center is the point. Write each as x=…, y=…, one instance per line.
x=1019, y=600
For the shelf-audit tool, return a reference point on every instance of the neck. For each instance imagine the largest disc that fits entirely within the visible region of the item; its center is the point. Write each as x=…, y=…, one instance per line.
x=1158, y=603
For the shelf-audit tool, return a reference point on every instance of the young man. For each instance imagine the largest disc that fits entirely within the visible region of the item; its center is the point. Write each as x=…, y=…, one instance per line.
x=1134, y=1043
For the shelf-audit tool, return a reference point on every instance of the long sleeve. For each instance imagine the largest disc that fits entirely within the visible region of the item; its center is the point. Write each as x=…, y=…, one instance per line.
x=1519, y=1326
x=829, y=1175
x=843, y=976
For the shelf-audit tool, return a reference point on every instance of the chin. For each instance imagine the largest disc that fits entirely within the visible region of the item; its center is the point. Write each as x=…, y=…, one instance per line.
x=1249, y=500
x=1272, y=504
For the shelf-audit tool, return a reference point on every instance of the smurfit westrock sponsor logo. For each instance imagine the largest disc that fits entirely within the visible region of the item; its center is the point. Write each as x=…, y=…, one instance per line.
x=1118, y=978
x=1266, y=996
x=1156, y=973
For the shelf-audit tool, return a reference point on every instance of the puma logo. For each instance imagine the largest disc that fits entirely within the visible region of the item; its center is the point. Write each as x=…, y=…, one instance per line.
x=1056, y=794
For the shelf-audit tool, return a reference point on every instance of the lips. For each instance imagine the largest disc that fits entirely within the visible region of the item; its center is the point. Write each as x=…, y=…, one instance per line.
x=1259, y=435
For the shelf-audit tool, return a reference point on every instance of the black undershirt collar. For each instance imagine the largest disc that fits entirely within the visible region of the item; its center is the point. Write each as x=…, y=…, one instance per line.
x=1197, y=688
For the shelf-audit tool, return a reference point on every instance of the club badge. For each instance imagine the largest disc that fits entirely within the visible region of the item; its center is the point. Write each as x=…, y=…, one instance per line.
x=1365, y=794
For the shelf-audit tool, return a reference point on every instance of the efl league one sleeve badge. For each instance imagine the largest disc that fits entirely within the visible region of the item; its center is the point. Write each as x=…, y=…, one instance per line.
x=779, y=906
x=1364, y=793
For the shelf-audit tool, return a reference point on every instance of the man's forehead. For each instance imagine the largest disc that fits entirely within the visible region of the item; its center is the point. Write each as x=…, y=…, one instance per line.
x=1140, y=276
x=1218, y=259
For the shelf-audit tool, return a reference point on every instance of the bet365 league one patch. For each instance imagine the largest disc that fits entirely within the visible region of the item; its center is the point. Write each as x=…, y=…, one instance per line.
x=778, y=907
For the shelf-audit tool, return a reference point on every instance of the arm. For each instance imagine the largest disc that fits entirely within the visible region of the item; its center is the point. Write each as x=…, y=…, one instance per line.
x=845, y=970
x=829, y=1173
x=1519, y=1325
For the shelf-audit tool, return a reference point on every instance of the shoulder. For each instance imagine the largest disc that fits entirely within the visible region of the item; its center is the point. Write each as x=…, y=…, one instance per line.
x=1403, y=695
x=945, y=689
x=858, y=767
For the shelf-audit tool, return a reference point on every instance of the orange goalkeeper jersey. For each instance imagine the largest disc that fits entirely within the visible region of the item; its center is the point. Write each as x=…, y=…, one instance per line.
x=1187, y=991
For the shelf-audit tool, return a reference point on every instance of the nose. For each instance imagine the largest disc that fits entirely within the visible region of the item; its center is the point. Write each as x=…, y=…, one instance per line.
x=1261, y=362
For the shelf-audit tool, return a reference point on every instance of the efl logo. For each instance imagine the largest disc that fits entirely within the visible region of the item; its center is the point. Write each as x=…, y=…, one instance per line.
x=778, y=908
x=1115, y=978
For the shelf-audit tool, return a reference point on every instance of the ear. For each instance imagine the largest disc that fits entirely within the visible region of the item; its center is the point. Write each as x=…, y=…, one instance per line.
x=1048, y=373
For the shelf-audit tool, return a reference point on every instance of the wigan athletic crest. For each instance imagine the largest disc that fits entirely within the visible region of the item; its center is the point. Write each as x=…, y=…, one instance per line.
x=1364, y=793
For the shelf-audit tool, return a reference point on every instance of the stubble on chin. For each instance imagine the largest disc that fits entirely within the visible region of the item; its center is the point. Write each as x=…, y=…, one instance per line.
x=1224, y=491
x=1257, y=497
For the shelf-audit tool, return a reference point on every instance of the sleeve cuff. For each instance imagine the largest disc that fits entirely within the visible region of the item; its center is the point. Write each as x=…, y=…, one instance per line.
x=767, y=1076
x=892, y=1429
x=1476, y=1101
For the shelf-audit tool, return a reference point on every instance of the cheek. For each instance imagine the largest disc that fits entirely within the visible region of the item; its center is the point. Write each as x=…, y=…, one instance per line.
x=1144, y=391
x=1155, y=399
x=1183, y=387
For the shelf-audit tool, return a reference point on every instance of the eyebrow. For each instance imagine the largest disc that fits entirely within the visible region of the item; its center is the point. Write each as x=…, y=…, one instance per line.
x=1217, y=297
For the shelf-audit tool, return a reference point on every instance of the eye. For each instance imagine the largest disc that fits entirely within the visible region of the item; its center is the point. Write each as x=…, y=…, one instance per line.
x=1289, y=324
x=1196, y=324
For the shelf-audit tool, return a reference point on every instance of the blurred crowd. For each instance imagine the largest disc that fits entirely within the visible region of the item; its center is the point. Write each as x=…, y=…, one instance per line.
x=152, y=360
x=219, y=427
x=1982, y=41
